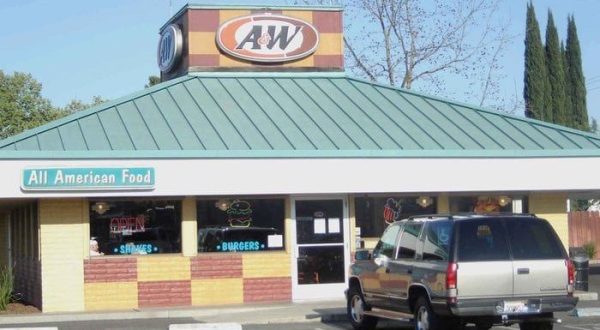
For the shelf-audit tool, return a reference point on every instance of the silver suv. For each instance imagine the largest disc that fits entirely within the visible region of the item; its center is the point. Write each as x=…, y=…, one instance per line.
x=446, y=271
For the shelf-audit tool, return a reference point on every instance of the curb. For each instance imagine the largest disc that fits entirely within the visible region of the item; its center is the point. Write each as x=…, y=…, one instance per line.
x=206, y=326
x=586, y=312
x=586, y=295
x=334, y=318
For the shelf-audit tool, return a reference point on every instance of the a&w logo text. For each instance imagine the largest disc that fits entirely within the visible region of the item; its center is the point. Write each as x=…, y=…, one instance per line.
x=267, y=38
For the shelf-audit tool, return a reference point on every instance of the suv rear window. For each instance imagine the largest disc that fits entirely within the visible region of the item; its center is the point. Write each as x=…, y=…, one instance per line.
x=533, y=240
x=482, y=240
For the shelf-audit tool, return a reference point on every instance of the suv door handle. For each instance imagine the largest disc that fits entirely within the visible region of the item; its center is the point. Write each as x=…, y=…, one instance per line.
x=522, y=271
x=387, y=270
x=409, y=271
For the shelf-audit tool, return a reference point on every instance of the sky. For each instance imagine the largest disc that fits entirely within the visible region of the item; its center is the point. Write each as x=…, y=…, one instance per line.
x=80, y=49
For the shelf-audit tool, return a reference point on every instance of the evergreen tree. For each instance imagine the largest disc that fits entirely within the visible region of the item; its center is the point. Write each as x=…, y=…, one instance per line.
x=536, y=79
x=554, y=63
x=567, y=81
x=577, y=80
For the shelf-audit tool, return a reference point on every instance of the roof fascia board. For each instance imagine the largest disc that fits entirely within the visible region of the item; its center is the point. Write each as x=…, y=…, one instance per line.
x=90, y=111
x=267, y=7
x=298, y=154
x=267, y=74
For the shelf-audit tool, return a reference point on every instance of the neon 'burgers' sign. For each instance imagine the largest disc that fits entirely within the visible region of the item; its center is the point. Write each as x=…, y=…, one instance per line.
x=267, y=38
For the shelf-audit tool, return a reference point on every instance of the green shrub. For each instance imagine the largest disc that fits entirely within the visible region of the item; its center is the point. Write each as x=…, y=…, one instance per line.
x=6, y=286
x=590, y=249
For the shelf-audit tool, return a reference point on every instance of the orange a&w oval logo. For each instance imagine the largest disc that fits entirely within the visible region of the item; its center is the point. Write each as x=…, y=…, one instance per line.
x=267, y=38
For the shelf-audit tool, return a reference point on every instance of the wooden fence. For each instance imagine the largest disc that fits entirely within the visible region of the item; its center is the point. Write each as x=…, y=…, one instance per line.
x=584, y=227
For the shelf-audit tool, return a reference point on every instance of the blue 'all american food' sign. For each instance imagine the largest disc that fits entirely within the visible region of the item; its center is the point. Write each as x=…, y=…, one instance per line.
x=92, y=178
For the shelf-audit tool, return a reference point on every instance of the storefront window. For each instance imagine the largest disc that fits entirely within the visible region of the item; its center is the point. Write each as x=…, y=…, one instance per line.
x=374, y=214
x=135, y=227
x=489, y=204
x=239, y=224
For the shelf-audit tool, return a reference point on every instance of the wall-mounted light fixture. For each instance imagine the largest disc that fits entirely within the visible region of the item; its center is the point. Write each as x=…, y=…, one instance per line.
x=100, y=207
x=504, y=200
x=223, y=204
x=424, y=201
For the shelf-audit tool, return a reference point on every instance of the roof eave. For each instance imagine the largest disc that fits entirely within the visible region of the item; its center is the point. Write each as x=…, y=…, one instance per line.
x=299, y=154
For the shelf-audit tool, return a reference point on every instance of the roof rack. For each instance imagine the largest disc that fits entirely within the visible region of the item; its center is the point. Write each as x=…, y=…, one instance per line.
x=467, y=214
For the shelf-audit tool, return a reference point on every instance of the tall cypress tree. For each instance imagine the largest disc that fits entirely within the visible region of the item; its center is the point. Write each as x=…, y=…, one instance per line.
x=567, y=80
x=535, y=84
x=577, y=80
x=556, y=74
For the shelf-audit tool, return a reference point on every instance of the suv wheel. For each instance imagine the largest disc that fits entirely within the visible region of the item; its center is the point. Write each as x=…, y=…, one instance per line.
x=545, y=325
x=425, y=318
x=356, y=307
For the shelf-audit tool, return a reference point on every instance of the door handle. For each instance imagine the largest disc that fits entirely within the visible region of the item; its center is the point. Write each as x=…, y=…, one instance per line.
x=409, y=271
x=387, y=270
x=522, y=271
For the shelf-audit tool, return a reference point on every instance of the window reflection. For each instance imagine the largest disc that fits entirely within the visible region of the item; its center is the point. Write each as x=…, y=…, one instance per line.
x=238, y=224
x=135, y=227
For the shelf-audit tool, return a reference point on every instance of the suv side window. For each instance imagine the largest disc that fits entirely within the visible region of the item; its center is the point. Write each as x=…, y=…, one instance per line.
x=482, y=240
x=533, y=240
x=408, y=241
x=387, y=243
x=437, y=240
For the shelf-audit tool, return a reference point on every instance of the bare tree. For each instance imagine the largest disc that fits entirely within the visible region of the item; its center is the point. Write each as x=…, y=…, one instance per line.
x=403, y=42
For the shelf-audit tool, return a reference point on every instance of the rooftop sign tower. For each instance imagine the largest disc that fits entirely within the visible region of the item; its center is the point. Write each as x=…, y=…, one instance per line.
x=251, y=38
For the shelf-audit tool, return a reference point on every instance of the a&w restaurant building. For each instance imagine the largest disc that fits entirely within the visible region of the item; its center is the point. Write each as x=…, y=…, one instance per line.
x=255, y=168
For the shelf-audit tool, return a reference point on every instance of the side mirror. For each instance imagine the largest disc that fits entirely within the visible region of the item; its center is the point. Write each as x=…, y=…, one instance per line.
x=362, y=255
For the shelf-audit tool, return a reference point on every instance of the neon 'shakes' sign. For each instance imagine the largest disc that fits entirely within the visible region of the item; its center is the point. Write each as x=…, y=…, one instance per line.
x=267, y=38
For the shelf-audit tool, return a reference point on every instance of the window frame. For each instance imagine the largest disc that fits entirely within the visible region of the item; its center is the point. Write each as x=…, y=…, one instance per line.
x=219, y=231
x=178, y=213
x=377, y=251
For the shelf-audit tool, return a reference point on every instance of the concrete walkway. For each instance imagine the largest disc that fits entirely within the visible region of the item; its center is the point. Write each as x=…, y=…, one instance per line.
x=314, y=311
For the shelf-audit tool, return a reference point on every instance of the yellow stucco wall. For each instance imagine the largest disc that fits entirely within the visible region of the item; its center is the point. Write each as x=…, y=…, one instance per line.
x=111, y=295
x=266, y=264
x=163, y=267
x=189, y=227
x=3, y=240
x=63, y=227
x=220, y=291
x=552, y=207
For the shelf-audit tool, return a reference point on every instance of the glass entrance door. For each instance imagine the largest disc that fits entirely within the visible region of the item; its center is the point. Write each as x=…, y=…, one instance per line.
x=321, y=250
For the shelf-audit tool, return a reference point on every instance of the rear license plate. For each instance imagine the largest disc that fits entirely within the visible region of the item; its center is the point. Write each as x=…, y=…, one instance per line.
x=517, y=307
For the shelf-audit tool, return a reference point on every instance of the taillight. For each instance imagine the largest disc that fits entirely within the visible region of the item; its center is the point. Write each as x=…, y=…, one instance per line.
x=451, y=275
x=570, y=275
x=451, y=282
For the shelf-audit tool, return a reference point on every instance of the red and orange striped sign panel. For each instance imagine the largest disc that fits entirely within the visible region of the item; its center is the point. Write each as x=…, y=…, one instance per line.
x=202, y=52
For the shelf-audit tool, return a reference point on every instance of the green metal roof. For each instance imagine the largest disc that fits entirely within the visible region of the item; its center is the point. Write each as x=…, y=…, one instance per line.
x=291, y=115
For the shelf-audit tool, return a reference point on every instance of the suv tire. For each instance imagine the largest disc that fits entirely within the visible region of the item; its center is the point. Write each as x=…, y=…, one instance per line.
x=425, y=318
x=356, y=307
